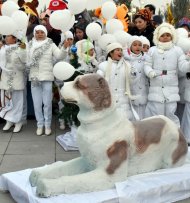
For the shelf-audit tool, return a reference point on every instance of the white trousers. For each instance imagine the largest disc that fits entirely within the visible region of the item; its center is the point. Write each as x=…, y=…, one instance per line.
x=15, y=114
x=185, y=123
x=42, y=100
x=166, y=109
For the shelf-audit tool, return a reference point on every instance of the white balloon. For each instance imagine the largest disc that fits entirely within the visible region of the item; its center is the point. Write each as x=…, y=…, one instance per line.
x=109, y=10
x=7, y=25
x=76, y=7
x=93, y=4
x=113, y=25
x=106, y=39
x=93, y=31
x=63, y=70
x=60, y=19
x=122, y=37
x=21, y=19
x=70, y=24
x=8, y=8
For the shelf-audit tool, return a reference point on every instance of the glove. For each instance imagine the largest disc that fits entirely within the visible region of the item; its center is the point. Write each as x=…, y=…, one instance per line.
x=152, y=74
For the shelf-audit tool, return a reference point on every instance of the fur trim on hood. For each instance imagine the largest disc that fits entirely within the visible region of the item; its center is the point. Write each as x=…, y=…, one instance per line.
x=164, y=28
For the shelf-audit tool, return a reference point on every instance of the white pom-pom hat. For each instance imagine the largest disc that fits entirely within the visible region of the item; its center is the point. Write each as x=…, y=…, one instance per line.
x=164, y=28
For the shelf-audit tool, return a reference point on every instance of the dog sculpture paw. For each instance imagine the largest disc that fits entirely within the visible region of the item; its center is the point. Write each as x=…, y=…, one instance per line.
x=42, y=189
x=34, y=177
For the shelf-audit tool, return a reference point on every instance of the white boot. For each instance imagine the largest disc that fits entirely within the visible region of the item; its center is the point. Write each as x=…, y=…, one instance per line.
x=8, y=126
x=39, y=131
x=47, y=131
x=18, y=127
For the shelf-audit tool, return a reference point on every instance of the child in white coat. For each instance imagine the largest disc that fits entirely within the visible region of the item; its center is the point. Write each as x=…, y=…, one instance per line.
x=41, y=54
x=139, y=84
x=162, y=65
x=86, y=56
x=117, y=72
x=12, y=65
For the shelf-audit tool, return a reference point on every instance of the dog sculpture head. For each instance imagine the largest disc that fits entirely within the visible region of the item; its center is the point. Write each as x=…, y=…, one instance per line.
x=90, y=91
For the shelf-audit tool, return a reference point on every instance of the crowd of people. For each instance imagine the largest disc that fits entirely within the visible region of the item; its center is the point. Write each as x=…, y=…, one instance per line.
x=143, y=75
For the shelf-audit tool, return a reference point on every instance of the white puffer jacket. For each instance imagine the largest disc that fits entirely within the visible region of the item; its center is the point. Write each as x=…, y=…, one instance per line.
x=139, y=84
x=12, y=75
x=41, y=61
x=164, y=87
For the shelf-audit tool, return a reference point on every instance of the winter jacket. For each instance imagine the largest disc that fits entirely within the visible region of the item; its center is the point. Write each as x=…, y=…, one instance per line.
x=139, y=84
x=12, y=74
x=166, y=65
x=41, y=61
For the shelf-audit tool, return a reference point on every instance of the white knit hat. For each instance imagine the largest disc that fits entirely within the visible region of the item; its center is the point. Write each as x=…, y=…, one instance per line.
x=132, y=39
x=40, y=27
x=144, y=40
x=112, y=46
x=164, y=28
x=66, y=35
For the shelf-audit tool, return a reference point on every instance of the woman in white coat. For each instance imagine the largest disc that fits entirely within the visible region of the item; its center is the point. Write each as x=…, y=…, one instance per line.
x=162, y=65
x=12, y=65
x=41, y=54
x=117, y=72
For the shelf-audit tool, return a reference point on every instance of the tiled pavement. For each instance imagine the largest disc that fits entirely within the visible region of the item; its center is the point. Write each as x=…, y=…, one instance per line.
x=27, y=150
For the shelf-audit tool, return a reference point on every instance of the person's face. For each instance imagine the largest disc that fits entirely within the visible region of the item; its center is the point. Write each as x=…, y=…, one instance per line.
x=9, y=39
x=140, y=23
x=91, y=52
x=79, y=34
x=70, y=41
x=146, y=47
x=40, y=35
x=116, y=54
x=136, y=47
x=166, y=37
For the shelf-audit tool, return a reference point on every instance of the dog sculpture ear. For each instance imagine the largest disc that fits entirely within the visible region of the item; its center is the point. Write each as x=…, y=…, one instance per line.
x=103, y=95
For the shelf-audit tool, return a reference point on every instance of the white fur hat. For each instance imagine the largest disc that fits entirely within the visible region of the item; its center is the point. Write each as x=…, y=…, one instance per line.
x=164, y=28
x=144, y=40
x=132, y=39
x=40, y=27
x=112, y=46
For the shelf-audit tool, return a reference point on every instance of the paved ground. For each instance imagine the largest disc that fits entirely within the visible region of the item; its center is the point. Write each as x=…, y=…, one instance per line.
x=27, y=150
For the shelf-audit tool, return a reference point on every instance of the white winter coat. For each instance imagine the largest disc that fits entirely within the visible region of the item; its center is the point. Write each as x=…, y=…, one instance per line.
x=12, y=75
x=41, y=60
x=164, y=88
x=117, y=84
x=139, y=84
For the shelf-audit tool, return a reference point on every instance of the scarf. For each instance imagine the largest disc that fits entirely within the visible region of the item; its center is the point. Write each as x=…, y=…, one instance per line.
x=163, y=46
x=36, y=50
